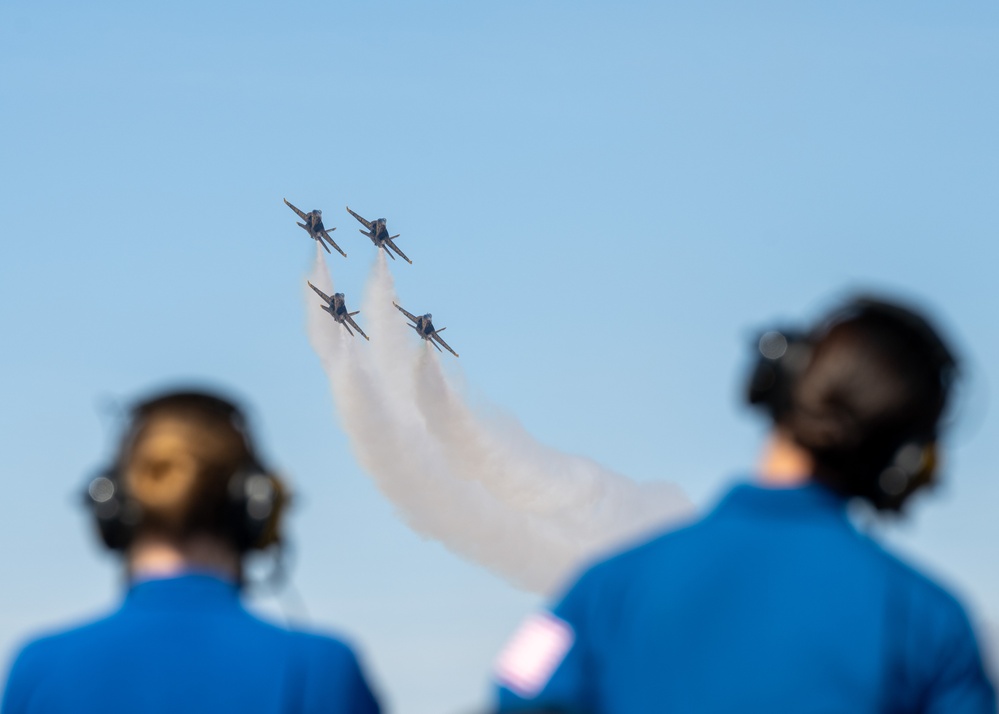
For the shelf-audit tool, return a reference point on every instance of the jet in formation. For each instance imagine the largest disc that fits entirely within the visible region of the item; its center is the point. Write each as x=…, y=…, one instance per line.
x=425, y=328
x=336, y=307
x=379, y=235
x=315, y=228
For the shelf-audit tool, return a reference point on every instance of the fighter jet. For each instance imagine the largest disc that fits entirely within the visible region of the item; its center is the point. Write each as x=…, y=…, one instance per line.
x=425, y=329
x=336, y=307
x=379, y=235
x=315, y=228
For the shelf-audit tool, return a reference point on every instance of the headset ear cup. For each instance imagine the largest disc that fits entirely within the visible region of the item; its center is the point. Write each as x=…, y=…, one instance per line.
x=256, y=503
x=271, y=533
x=912, y=467
x=115, y=515
x=761, y=383
x=781, y=355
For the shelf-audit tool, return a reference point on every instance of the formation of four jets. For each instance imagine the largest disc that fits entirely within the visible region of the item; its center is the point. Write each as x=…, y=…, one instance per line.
x=379, y=235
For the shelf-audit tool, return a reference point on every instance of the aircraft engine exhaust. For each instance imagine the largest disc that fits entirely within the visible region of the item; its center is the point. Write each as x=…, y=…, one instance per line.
x=486, y=490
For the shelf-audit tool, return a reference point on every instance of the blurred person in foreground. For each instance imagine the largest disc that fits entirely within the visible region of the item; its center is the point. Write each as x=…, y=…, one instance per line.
x=773, y=602
x=185, y=501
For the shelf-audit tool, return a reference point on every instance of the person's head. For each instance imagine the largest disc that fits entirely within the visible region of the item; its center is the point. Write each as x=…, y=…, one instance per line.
x=186, y=473
x=862, y=393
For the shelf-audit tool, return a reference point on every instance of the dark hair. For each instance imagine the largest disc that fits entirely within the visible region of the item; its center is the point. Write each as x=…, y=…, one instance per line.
x=877, y=378
x=213, y=436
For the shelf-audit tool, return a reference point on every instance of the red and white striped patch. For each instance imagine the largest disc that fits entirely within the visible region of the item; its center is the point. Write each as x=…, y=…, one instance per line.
x=533, y=654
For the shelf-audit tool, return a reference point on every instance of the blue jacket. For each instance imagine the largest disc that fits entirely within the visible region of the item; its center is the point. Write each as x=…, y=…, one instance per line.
x=772, y=603
x=185, y=645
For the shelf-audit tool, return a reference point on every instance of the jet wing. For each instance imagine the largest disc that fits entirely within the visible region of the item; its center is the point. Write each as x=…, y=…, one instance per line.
x=390, y=244
x=442, y=342
x=405, y=312
x=300, y=214
x=349, y=319
x=325, y=234
x=367, y=224
x=323, y=295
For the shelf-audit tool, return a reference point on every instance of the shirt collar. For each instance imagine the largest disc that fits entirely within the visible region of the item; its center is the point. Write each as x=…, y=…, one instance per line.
x=808, y=502
x=183, y=592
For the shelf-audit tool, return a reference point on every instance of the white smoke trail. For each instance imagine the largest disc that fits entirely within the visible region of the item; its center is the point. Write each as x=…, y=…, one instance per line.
x=493, y=495
x=595, y=506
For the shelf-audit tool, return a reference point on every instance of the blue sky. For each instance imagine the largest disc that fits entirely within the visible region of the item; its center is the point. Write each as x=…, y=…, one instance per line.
x=603, y=204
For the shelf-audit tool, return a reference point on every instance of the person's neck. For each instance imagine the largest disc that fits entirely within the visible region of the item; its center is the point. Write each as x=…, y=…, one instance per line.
x=784, y=464
x=151, y=558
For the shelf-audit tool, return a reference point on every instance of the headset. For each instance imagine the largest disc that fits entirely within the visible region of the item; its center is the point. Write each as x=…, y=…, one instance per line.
x=255, y=497
x=782, y=356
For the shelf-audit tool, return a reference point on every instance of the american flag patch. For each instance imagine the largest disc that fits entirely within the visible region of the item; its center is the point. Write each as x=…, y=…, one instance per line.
x=533, y=654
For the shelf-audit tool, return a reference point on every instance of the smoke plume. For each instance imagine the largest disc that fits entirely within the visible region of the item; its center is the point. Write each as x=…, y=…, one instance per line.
x=483, y=487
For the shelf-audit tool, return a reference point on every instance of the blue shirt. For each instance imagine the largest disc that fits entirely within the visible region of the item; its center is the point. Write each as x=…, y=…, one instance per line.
x=771, y=603
x=185, y=645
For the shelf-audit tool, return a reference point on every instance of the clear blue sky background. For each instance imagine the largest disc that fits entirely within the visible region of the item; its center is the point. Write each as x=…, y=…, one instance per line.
x=602, y=202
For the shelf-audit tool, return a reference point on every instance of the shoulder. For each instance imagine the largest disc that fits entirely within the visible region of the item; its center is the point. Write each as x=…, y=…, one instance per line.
x=326, y=647
x=326, y=659
x=306, y=643
x=52, y=650
x=332, y=672
x=54, y=642
x=321, y=667
x=600, y=584
x=674, y=544
x=937, y=644
x=934, y=626
x=912, y=588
